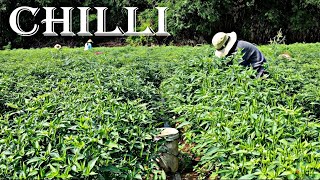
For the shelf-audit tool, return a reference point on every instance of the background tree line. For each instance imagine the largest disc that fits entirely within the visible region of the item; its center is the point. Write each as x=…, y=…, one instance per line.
x=189, y=21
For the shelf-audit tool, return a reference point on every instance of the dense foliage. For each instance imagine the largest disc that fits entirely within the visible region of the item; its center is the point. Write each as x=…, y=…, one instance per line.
x=70, y=113
x=193, y=20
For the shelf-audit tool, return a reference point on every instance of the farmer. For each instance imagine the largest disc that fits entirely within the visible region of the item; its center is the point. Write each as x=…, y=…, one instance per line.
x=88, y=45
x=226, y=44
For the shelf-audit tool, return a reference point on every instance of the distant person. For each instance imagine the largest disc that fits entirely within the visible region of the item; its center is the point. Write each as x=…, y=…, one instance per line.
x=226, y=44
x=88, y=45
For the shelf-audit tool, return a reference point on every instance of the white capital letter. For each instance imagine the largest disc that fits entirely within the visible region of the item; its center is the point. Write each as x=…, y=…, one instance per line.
x=162, y=23
x=84, y=22
x=101, y=18
x=132, y=24
x=50, y=21
x=14, y=21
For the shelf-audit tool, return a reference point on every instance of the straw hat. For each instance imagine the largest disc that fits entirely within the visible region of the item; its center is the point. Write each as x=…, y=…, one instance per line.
x=57, y=46
x=223, y=43
x=89, y=41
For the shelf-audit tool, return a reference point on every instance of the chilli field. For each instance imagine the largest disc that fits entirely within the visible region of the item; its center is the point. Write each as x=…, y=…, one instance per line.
x=74, y=114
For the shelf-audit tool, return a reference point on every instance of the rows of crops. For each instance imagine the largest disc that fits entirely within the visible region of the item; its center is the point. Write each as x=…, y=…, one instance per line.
x=71, y=113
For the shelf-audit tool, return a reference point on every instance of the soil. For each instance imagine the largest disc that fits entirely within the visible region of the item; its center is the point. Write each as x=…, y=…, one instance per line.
x=189, y=176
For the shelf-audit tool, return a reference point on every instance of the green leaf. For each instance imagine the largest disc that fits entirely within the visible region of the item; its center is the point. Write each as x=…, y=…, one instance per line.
x=148, y=137
x=37, y=146
x=49, y=148
x=138, y=176
x=248, y=176
x=81, y=156
x=54, y=155
x=286, y=173
x=254, y=116
x=53, y=172
x=163, y=175
x=214, y=175
x=7, y=153
x=240, y=152
x=274, y=128
x=33, y=173
x=284, y=142
x=13, y=106
x=111, y=169
x=92, y=163
x=112, y=145
x=291, y=176
x=183, y=124
x=93, y=173
x=211, y=151
x=35, y=159
x=256, y=153
x=74, y=168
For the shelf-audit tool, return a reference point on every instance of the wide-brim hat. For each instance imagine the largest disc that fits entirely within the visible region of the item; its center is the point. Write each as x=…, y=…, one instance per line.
x=223, y=43
x=89, y=41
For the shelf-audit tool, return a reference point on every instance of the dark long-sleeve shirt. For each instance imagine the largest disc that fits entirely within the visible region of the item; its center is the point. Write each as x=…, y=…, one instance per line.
x=252, y=56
